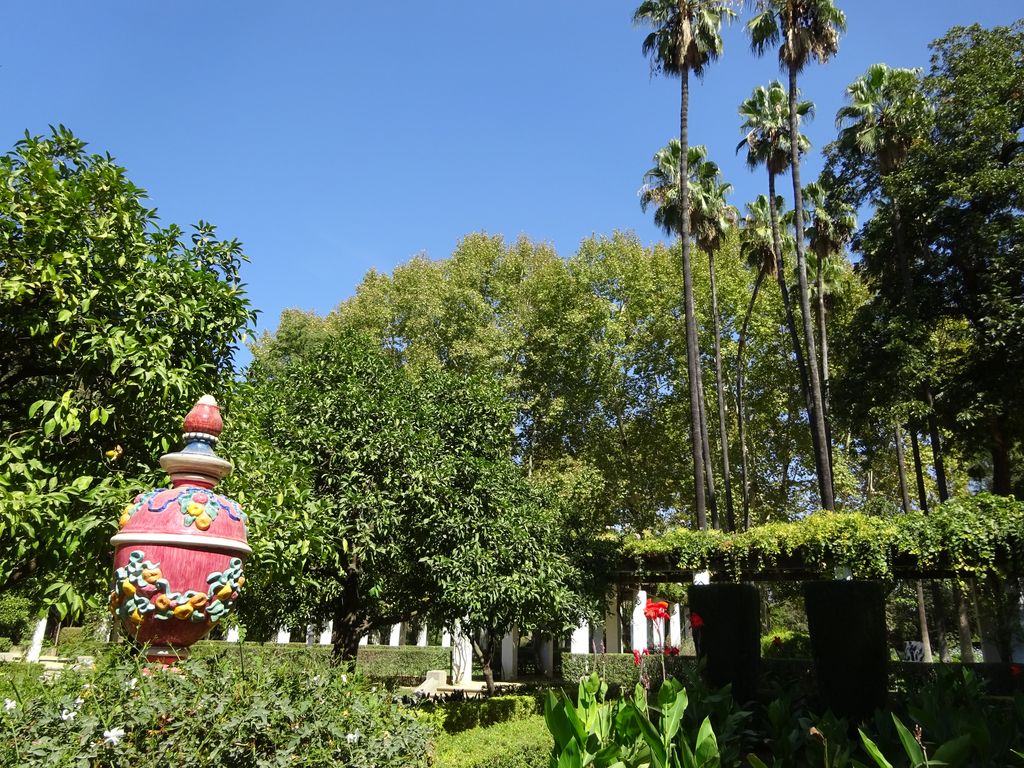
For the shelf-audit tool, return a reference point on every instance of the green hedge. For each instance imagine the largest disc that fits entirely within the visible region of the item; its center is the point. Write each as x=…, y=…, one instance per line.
x=458, y=716
x=518, y=744
x=405, y=663
x=14, y=616
x=619, y=670
x=786, y=644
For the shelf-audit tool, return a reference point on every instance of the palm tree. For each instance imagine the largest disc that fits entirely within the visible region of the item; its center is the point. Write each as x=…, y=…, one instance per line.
x=758, y=246
x=711, y=218
x=804, y=29
x=832, y=224
x=686, y=37
x=766, y=123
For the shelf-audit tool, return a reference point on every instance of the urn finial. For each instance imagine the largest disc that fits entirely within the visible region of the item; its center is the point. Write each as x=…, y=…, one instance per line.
x=197, y=462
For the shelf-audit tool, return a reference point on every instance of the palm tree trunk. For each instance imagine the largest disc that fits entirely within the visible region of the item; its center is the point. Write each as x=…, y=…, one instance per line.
x=692, y=348
x=709, y=470
x=817, y=416
x=723, y=433
x=922, y=614
x=780, y=275
x=825, y=389
x=740, y=415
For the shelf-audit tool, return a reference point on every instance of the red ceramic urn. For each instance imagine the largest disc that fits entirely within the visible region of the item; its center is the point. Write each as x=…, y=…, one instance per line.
x=179, y=553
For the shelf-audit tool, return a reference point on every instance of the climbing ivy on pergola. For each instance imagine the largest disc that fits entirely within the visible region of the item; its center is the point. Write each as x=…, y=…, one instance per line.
x=972, y=537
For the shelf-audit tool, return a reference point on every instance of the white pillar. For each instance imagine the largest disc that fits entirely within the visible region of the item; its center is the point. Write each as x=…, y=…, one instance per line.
x=446, y=638
x=612, y=630
x=580, y=641
x=283, y=636
x=547, y=657
x=396, y=635
x=364, y=640
x=675, y=626
x=232, y=635
x=421, y=638
x=462, y=658
x=35, y=648
x=639, y=621
x=510, y=655
x=325, y=636
x=310, y=635
x=702, y=578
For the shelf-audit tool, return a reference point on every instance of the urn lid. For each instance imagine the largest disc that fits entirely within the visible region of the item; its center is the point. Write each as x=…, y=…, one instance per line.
x=197, y=463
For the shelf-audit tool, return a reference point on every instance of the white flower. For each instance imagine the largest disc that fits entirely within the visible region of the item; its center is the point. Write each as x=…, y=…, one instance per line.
x=67, y=715
x=10, y=704
x=132, y=683
x=79, y=701
x=344, y=678
x=352, y=738
x=113, y=736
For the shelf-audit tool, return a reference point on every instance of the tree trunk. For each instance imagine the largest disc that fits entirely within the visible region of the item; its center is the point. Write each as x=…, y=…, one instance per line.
x=1000, y=458
x=485, y=652
x=826, y=400
x=963, y=625
x=922, y=618
x=901, y=467
x=709, y=470
x=348, y=624
x=922, y=494
x=723, y=429
x=692, y=349
x=936, y=440
x=780, y=263
x=817, y=416
x=740, y=415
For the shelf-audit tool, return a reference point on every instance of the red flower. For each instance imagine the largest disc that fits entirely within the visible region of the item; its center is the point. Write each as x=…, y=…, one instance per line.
x=655, y=610
x=696, y=621
x=636, y=657
x=671, y=650
x=646, y=652
x=776, y=642
x=1015, y=671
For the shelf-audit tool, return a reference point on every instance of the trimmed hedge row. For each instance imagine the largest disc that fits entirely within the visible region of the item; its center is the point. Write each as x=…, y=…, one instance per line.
x=407, y=664
x=620, y=669
x=458, y=716
x=517, y=744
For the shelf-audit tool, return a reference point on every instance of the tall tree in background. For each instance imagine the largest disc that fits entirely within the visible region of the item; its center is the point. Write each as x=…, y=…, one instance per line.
x=686, y=38
x=766, y=123
x=711, y=219
x=804, y=30
x=758, y=245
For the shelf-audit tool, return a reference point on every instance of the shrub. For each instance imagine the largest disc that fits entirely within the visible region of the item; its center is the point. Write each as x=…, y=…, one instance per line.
x=274, y=712
x=517, y=744
x=405, y=664
x=20, y=679
x=78, y=641
x=458, y=716
x=786, y=644
x=620, y=670
x=6, y=644
x=14, y=616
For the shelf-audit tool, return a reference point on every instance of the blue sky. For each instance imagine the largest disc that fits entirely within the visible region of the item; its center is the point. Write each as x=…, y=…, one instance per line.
x=335, y=137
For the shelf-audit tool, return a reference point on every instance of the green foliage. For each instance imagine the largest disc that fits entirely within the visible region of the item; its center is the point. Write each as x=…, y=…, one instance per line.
x=977, y=535
x=515, y=744
x=620, y=670
x=14, y=616
x=458, y=716
x=380, y=496
x=6, y=644
x=111, y=327
x=19, y=678
x=405, y=664
x=628, y=732
x=786, y=644
x=273, y=714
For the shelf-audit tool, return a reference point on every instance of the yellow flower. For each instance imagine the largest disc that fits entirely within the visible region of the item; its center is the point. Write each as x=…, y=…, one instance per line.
x=125, y=517
x=183, y=611
x=224, y=592
x=151, y=575
x=127, y=587
x=136, y=617
x=203, y=521
x=195, y=510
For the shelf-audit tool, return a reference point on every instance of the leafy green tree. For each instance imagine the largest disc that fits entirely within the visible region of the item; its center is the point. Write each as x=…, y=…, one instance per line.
x=686, y=38
x=391, y=497
x=711, y=218
x=110, y=329
x=804, y=30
